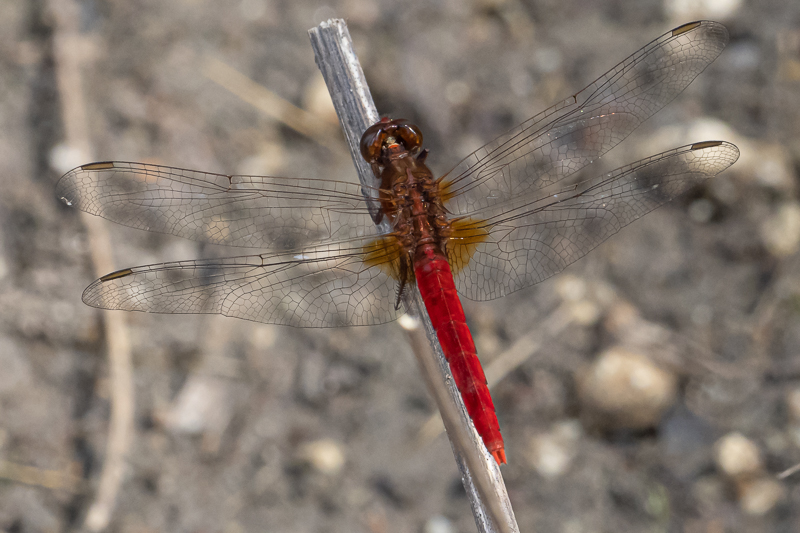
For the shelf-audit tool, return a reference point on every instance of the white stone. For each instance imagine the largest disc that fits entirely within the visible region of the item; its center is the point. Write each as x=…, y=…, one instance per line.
x=439, y=524
x=324, y=455
x=781, y=231
x=571, y=288
x=760, y=496
x=585, y=313
x=551, y=453
x=701, y=9
x=626, y=389
x=736, y=455
x=793, y=404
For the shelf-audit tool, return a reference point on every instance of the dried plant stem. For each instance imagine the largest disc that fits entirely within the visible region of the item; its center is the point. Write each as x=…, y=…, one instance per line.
x=333, y=49
x=271, y=104
x=69, y=61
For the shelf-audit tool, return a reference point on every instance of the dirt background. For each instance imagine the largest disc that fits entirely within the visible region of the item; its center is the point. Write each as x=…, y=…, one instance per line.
x=248, y=427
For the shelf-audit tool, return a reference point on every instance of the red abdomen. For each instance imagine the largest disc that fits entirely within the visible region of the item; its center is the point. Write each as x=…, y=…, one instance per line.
x=435, y=282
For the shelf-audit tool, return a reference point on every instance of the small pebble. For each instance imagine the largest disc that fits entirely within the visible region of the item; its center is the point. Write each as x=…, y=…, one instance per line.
x=324, y=455
x=585, y=313
x=439, y=524
x=701, y=9
x=64, y=157
x=624, y=389
x=736, y=455
x=551, y=453
x=620, y=317
x=759, y=496
x=793, y=404
x=203, y=404
x=571, y=288
x=774, y=169
x=781, y=231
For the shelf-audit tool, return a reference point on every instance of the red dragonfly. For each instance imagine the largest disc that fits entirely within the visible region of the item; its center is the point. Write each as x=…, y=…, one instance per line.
x=501, y=220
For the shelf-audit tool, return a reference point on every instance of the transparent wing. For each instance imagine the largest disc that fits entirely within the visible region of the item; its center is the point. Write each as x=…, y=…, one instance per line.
x=563, y=139
x=249, y=211
x=316, y=234
x=325, y=286
x=538, y=235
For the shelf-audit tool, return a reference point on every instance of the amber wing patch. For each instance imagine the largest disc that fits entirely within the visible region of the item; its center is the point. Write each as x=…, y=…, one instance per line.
x=445, y=190
x=384, y=253
x=467, y=234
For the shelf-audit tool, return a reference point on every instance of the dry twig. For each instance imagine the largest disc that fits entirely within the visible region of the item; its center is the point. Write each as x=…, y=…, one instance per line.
x=271, y=104
x=70, y=62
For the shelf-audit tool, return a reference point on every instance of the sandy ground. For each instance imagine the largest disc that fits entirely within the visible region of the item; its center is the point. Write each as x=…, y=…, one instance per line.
x=240, y=426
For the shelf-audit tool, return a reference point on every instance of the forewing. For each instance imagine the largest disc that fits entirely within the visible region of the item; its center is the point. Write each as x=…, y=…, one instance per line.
x=249, y=211
x=563, y=139
x=325, y=286
x=536, y=236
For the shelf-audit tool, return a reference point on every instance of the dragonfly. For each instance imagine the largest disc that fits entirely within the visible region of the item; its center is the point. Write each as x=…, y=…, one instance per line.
x=332, y=253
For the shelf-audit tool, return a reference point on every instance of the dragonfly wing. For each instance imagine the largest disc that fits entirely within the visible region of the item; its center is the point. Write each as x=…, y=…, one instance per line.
x=563, y=139
x=535, y=237
x=248, y=211
x=324, y=286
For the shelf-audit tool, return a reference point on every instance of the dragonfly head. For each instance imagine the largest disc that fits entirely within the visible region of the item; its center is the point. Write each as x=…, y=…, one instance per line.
x=389, y=137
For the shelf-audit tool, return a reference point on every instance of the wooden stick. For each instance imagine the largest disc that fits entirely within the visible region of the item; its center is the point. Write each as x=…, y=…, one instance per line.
x=333, y=50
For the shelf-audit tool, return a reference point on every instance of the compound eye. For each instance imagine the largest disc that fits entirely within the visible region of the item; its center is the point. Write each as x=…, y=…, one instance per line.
x=411, y=136
x=372, y=141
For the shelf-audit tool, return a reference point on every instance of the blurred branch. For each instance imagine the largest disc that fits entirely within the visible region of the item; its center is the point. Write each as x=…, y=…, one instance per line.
x=333, y=49
x=69, y=64
x=30, y=475
x=271, y=104
x=789, y=471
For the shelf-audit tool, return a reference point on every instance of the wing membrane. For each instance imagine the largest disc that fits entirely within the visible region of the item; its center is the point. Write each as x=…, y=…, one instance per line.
x=325, y=286
x=563, y=139
x=247, y=211
x=537, y=236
